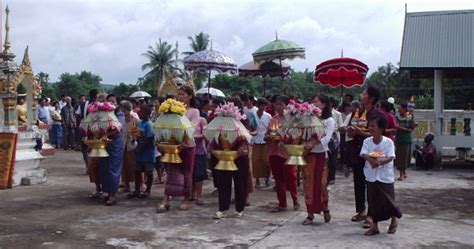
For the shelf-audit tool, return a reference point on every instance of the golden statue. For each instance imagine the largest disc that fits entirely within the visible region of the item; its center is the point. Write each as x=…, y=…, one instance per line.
x=22, y=110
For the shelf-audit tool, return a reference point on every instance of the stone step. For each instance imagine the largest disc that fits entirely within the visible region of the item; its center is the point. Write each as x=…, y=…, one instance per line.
x=29, y=177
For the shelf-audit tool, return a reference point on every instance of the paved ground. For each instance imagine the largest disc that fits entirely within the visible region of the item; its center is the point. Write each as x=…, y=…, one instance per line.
x=438, y=211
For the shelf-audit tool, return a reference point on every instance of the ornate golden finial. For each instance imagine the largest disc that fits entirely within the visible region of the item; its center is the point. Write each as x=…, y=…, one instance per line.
x=7, y=54
x=276, y=35
x=26, y=57
x=211, y=44
x=342, y=52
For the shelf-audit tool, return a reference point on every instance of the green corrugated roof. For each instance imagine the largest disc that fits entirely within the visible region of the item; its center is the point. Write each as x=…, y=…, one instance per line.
x=441, y=39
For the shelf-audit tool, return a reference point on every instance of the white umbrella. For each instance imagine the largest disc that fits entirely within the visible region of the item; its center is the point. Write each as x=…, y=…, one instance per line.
x=140, y=94
x=212, y=91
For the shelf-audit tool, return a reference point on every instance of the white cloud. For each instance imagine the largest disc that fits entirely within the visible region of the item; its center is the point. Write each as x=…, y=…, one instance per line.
x=108, y=37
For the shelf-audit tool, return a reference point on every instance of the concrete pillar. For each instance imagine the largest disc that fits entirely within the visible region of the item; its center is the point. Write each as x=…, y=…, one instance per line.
x=438, y=104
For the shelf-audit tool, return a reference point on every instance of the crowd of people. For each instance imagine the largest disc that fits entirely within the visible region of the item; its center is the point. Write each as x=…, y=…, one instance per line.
x=346, y=144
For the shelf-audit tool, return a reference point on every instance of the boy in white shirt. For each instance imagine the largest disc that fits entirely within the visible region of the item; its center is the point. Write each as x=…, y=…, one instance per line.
x=379, y=153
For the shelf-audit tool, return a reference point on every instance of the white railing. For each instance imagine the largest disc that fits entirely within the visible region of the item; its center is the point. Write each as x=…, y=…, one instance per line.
x=456, y=131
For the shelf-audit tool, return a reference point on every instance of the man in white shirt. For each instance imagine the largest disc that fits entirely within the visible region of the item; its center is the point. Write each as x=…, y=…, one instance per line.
x=62, y=102
x=259, y=147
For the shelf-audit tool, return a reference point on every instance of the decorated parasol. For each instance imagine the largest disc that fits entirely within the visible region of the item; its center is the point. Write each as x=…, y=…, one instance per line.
x=264, y=69
x=278, y=50
x=210, y=60
x=341, y=72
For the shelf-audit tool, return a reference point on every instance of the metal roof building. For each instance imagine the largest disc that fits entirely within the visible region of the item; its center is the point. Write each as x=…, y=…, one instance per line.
x=440, y=45
x=438, y=40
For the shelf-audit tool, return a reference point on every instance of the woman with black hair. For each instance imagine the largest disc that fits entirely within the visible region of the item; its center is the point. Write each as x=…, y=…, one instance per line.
x=179, y=178
x=315, y=173
x=240, y=177
x=403, y=139
x=378, y=152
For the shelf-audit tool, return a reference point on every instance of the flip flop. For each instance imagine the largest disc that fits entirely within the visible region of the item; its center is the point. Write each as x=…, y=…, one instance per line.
x=358, y=217
x=308, y=221
x=371, y=232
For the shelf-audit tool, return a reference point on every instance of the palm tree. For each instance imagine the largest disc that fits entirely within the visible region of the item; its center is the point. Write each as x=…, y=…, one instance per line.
x=198, y=43
x=160, y=59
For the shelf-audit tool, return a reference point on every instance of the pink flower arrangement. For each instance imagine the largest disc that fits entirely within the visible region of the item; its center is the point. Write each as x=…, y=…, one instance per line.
x=299, y=110
x=97, y=106
x=230, y=110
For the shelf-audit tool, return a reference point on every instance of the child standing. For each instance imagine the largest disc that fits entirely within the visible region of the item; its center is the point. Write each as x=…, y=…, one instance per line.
x=200, y=165
x=378, y=152
x=144, y=153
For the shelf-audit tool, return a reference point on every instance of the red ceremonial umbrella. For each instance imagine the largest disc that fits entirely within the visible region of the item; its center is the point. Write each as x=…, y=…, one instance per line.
x=343, y=72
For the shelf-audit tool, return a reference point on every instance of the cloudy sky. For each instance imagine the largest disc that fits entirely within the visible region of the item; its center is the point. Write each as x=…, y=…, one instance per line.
x=108, y=37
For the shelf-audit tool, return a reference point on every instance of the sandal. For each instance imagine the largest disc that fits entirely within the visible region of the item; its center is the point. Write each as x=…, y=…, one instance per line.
x=392, y=229
x=144, y=195
x=367, y=224
x=111, y=202
x=95, y=195
x=371, y=232
x=296, y=206
x=163, y=208
x=400, y=178
x=183, y=207
x=133, y=194
x=327, y=216
x=278, y=209
x=358, y=217
x=308, y=221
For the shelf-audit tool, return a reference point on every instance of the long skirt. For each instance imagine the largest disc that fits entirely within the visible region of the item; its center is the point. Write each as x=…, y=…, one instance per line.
x=110, y=167
x=93, y=170
x=315, y=175
x=56, y=134
x=128, y=168
x=179, y=179
x=259, y=161
x=381, y=198
x=224, y=180
x=200, y=168
x=285, y=179
x=402, y=155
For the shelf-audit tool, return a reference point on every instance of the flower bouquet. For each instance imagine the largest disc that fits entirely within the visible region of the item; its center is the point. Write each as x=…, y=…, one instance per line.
x=99, y=121
x=301, y=123
x=225, y=129
x=171, y=128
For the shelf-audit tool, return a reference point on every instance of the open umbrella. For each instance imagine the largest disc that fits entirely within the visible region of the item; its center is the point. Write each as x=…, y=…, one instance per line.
x=207, y=60
x=278, y=50
x=212, y=91
x=264, y=69
x=140, y=94
x=343, y=72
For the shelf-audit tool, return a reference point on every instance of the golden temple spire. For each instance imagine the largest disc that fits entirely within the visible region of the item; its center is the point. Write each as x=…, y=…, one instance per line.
x=7, y=54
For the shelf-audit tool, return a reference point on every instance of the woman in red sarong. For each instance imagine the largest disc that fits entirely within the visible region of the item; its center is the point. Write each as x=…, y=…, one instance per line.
x=316, y=171
x=285, y=175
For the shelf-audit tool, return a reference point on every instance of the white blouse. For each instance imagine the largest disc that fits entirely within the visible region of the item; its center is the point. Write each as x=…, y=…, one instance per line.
x=329, y=126
x=383, y=173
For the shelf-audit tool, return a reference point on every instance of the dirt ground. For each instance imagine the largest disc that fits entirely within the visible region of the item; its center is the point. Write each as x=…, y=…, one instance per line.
x=437, y=206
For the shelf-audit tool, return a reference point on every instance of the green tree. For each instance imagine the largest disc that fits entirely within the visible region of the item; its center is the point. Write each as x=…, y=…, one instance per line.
x=47, y=88
x=160, y=60
x=124, y=89
x=198, y=43
x=77, y=84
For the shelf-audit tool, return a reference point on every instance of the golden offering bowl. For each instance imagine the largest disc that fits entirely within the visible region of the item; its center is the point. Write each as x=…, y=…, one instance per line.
x=170, y=153
x=295, y=151
x=275, y=137
x=226, y=159
x=97, y=148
